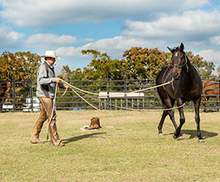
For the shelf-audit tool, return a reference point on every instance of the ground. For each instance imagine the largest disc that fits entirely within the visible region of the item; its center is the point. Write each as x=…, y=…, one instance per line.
x=127, y=148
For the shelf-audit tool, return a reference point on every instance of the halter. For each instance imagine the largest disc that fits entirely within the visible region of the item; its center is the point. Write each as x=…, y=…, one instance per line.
x=180, y=66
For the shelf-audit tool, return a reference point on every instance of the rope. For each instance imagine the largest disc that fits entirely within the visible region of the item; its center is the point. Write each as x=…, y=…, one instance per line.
x=172, y=108
x=98, y=94
x=84, y=99
x=80, y=90
x=169, y=82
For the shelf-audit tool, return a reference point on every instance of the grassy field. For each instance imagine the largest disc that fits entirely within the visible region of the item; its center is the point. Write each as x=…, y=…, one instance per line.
x=127, y=149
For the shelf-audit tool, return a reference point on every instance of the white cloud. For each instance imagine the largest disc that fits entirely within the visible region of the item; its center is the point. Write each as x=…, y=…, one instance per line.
x=52, y=40
x=211, y=55
x=69, y=51
x=50, y=12
x=10, y=38
x=115, y=47
x=190, y=26
x=215, y=40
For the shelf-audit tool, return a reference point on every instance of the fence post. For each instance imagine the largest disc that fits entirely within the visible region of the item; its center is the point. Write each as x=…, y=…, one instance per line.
x=108, y=85
x=13, y=92
x=31, y=95
x=126, y=89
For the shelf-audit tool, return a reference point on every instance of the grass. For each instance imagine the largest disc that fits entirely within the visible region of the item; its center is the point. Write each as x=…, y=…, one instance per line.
x=127, y=148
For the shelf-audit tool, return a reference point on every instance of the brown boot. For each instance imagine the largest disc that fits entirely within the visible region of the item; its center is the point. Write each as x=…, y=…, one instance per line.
x=58, y=143
x=35, y=139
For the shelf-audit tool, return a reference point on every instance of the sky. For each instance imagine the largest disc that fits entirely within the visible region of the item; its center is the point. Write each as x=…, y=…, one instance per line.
x=70, y=26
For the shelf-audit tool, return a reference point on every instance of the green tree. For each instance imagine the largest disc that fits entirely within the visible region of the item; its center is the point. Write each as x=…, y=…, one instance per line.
x=20, y=65
x=102, y=66
x=145, y=63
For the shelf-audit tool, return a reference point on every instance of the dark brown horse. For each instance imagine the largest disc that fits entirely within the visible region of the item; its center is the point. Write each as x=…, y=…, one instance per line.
x=210, y=89
x=187, y=86
x=5, y=86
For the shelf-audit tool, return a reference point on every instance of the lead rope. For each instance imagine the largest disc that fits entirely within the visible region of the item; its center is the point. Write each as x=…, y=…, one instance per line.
x=51, y=116
x=73, y=88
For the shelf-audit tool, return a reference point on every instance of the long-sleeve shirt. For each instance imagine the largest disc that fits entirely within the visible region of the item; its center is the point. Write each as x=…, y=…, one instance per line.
x=46, y=81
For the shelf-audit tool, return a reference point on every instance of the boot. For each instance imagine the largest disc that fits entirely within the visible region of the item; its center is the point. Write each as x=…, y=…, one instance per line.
x=58, y=143
x=35, y=139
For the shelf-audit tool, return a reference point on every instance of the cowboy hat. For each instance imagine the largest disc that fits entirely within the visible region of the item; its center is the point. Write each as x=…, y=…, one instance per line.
x=50, y=54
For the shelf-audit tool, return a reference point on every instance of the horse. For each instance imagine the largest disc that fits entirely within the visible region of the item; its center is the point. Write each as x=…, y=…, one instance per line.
x=210, y=89
x=5, y=86
x=186, y=85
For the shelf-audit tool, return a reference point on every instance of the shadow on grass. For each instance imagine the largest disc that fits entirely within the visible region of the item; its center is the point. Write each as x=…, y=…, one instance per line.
x=81, y=137
x=193, y=133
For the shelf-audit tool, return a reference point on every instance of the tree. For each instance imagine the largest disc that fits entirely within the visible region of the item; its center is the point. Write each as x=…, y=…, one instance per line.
x=145, y=63
x=102, y=66
x=20, y=65
x=20, y=68
x=218, y=71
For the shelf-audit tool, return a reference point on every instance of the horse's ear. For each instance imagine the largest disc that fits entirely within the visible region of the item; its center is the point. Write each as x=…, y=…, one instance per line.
x=181, y=46
x=171, y=50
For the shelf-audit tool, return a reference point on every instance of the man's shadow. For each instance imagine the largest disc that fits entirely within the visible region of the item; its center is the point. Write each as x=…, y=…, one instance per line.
x=193, y=133
x=76, y=138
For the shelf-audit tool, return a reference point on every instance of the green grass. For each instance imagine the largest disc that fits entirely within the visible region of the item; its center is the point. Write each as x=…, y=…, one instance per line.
x=126, y=149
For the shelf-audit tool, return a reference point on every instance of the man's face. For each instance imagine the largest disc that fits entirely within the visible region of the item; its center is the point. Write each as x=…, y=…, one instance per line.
x=51, y=61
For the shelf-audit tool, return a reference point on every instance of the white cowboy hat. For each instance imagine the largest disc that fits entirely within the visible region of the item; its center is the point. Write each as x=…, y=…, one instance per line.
x=50, y=54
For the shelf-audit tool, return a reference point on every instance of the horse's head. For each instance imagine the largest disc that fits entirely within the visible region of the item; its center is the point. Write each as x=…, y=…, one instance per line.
x=179, y=60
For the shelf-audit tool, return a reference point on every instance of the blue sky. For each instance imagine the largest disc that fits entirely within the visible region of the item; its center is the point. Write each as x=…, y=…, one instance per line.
x=70, y=26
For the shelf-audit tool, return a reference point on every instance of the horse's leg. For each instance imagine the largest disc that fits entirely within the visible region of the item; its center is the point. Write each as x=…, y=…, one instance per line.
x=168, y=104
x=177, y=133
x=171, y=114
x=165, y=113
x=197, y=118
x=217, y=99
x=1, y=104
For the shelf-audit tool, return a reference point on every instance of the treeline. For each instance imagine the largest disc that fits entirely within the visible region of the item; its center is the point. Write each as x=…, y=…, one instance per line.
x=137, y=63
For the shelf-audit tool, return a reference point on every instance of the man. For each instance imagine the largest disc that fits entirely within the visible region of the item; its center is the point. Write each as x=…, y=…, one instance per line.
x=46, y=85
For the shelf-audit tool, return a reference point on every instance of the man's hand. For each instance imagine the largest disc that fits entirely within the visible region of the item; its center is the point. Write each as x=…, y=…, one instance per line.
x=67, y=86
x=58, y=80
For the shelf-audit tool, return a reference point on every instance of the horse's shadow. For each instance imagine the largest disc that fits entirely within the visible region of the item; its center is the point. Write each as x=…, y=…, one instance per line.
x=81, y=137
x=193, y=133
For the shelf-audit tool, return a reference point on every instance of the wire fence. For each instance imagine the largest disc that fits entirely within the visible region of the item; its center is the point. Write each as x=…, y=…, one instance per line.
x=110, y=95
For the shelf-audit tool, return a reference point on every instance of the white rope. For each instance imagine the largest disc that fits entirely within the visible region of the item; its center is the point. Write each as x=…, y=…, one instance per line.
x=169, y=82
x=129, y=92
x=84, y=99
x=78, y=88
x=172, y=108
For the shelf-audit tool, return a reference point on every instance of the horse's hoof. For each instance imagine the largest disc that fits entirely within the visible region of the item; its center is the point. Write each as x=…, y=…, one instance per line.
x=201, y=140
x=174, y=136
x=180, y=137
x=160, y=134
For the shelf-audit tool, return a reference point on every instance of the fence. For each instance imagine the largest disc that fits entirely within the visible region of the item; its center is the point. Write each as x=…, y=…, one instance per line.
x=110, y=95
